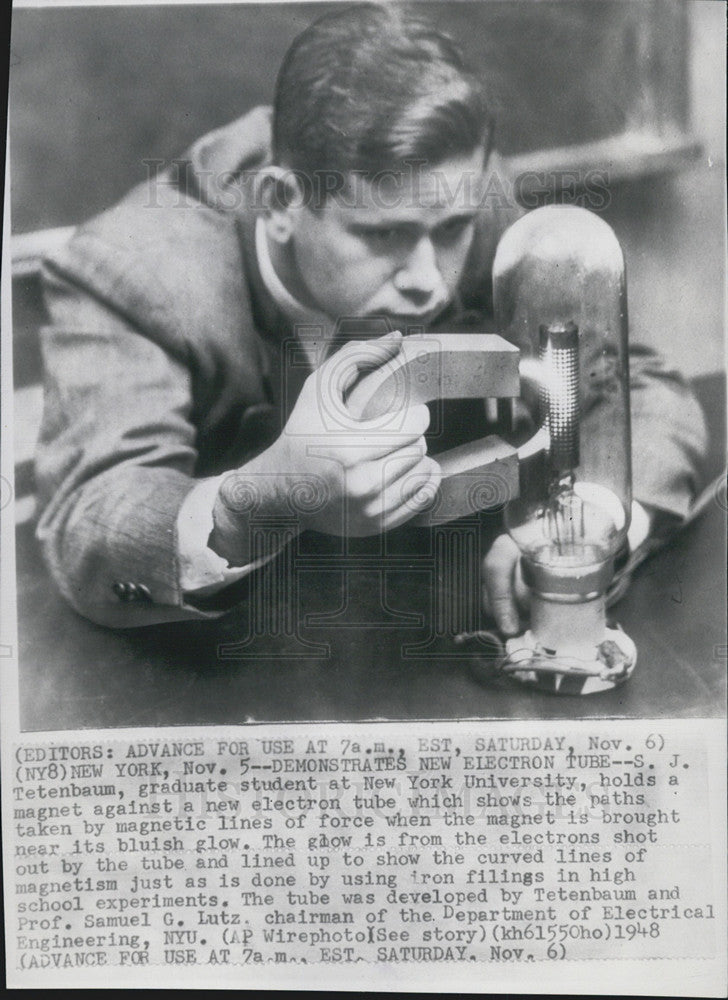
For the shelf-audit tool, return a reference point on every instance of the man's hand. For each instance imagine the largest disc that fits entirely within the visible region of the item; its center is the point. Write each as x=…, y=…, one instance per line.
x=504, y=591
x=336, y=474
x=371, y=470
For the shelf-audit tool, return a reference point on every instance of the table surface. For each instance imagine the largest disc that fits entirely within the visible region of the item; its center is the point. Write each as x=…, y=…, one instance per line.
x=368, y=635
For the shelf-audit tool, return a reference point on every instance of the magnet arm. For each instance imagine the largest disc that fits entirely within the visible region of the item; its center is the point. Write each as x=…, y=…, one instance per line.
x=477, y=475
x=446, y=366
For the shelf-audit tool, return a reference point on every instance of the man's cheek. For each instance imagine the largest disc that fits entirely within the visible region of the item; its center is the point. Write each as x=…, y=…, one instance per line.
x=369, y=281
x=451, y=268
x=459, y=263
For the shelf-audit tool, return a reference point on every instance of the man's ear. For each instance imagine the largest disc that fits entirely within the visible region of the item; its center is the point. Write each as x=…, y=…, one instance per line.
x=281, y=194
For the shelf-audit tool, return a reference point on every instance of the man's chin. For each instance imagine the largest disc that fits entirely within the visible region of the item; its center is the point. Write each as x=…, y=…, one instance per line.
x=376, y=322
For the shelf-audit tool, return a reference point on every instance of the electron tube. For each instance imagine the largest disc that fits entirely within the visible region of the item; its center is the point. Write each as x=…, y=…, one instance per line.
x=560, y=295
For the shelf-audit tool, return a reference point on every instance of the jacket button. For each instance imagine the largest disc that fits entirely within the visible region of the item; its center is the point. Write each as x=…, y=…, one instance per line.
x=132, y=593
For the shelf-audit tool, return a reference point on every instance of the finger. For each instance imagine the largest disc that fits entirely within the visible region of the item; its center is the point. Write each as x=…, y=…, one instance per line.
x=368, y=480
x=499, y=569
x=415, y=419
x=382, y=442
x=379, y=485
x=397, y=464
x=520, y=589
x=412, y=494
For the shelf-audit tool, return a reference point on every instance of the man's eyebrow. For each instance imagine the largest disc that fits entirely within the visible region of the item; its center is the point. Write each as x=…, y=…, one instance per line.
x=406, y=225
x=383, y=224
x=467, y=215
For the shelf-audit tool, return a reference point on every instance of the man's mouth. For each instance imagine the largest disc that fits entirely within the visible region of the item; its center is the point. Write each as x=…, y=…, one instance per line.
x=398, y=320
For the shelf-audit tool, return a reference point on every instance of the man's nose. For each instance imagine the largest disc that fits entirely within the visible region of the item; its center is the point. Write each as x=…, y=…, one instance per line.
x=420, y=278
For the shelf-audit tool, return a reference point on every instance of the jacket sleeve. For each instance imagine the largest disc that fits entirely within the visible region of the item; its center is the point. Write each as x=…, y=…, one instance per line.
x=669, y=435
x=115, y=460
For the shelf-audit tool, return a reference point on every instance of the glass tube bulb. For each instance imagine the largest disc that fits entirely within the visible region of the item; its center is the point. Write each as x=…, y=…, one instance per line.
x=575, y=528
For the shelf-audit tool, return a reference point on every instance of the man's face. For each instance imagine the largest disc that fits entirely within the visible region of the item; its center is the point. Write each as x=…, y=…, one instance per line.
x=393, y=245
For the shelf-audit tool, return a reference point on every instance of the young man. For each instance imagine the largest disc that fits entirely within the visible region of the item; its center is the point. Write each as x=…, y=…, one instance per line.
x=194, y=363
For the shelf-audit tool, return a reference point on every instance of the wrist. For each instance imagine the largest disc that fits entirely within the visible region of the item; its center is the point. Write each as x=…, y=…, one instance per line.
x=252, y=498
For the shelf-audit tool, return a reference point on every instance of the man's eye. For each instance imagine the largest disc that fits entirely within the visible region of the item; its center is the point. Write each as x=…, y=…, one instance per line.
x=383, y=235
x=454, y=228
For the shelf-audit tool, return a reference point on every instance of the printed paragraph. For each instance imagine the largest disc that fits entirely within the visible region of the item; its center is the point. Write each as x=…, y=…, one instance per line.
x=437, y=843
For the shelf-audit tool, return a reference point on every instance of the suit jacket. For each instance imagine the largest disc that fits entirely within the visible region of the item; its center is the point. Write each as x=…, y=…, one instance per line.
x=165, y=360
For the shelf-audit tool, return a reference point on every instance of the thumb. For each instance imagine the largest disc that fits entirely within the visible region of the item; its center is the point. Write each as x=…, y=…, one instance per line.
x=499, y=580
x=365, y=356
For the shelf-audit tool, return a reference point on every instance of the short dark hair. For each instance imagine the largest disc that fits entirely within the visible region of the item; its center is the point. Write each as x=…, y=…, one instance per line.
x=372, y=87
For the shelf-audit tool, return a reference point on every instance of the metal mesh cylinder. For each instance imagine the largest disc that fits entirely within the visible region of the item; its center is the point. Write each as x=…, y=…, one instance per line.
x=559, y=392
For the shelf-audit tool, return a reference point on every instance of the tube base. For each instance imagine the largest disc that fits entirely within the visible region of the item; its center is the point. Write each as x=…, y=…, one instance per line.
x=605, y=666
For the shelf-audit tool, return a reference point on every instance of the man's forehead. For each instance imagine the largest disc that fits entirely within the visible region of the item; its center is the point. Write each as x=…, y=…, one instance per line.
x=454, y=185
